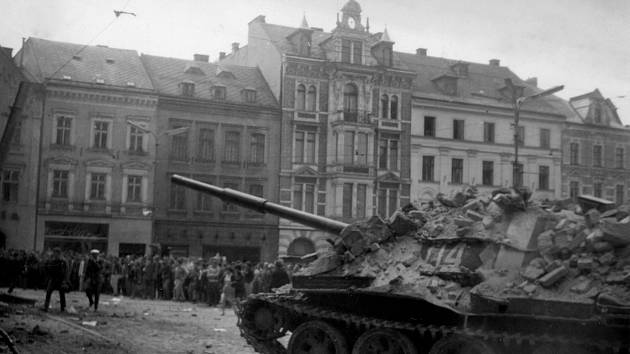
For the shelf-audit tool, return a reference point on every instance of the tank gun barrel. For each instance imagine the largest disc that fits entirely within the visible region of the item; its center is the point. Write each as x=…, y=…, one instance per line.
x=262, y=205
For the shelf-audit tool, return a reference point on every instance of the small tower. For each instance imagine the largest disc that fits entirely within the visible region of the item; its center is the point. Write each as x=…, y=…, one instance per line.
x=351, y=16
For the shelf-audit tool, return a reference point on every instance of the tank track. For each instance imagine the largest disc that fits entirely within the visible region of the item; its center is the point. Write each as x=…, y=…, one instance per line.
x=295, y=305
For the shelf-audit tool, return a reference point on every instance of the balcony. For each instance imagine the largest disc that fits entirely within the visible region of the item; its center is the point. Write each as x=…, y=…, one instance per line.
x=389, y=124
x=353, y=117
x=304, y=116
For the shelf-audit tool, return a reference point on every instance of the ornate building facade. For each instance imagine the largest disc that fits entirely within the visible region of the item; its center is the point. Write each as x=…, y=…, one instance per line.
x=345, y=120
x=219, y=124
x=95, y=170
x=596, y=149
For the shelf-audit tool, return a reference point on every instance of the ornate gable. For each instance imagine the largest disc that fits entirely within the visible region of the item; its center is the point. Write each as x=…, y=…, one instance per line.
x=60, y=160
x=306, y=171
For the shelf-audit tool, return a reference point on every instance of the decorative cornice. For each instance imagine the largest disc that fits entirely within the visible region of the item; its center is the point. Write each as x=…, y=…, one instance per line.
x=102, y=97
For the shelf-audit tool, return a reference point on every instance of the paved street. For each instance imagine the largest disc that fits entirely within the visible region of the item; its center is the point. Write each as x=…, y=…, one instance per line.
x=124, y=326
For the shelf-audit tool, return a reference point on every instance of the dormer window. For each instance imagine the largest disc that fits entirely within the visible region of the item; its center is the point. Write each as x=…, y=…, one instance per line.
x=188, y=88
x=225, y=74
x=597, y=112
x=66, y=77
x=109, y=61
x=460, y=69
x=193, y=69
x=505, y=91
x=218, y=92
x=447, y=84
x=249, y=95
x=131, y=84
x=351, y=51
x=99, y=80
x=304, y=45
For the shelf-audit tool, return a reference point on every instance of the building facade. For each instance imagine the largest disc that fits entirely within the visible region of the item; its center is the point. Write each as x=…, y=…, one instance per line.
x=596, y=148
x=463, y=130
x=96, y=170
x=345, y=120
x=219, y=124
x=19, y=152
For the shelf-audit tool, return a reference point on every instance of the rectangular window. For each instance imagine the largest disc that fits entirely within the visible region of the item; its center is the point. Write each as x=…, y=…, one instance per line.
x=388, y=154
x=134, y=189
x=348, y=148
x=347, y=200
x=63, y=130
x=232, y=147
x=218, y=92
x=299, y=146
x=518, y=178
x=309, y=198
x=362, y=149
x=574, y=153
x=17, y=134
x=257, y=148
x=597, y=155
x=574, y=190
x=361, y=200
x=298, y=196
x=543, y=177
x=304, y=147
x=392, y=201
x=619, y=158
x=60, y=184
x=428, y=166
x=521, y=135
x=229, y=206
x=458, y=129
x=188, y=89
x=178, y=197
x=256, y=190
x=597, y=189
x=310, y=147
x=97, y=186
x=205, y=147
x=101, y=131
x=10, y=184
x=457, y=171
x=619, y=193
x=387, y=201
x=179, y=145
x=429, y=126
x=487, y=173
x=357, y=52
x=204, y=200
x=345, y=50
x=488, y=132
x=135, y=139
x=545, y=138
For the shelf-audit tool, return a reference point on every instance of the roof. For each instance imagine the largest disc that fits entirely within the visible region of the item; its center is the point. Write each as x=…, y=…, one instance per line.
x=278, y=35
x=44, y=59
x=169, y=73
x=481, y=85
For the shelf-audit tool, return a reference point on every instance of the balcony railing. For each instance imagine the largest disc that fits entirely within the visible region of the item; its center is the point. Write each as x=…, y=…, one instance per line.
x=358, y=116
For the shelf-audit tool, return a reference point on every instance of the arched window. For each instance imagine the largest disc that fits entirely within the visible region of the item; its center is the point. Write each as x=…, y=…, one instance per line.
x=301, y=96
x=384, y=106
x=394, y=108
x=300, y=247
x=350, y=102
x=310, y=98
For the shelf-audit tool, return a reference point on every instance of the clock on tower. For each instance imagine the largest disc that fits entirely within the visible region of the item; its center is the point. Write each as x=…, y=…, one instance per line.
x=351, y=23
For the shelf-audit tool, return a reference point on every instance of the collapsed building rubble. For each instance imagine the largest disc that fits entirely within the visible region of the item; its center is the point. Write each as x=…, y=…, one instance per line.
x=476, y=252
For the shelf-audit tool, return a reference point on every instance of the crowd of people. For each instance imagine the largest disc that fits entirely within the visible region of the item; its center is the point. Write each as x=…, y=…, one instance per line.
x=214, y=280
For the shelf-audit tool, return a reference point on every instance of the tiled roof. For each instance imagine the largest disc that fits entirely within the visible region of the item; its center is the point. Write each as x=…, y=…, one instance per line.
x=169, y=73
x=481, y=80
x=278, y=36
x=116, y=67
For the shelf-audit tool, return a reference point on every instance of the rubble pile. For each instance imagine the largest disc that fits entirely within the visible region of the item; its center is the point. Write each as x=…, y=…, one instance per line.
x=470, y=251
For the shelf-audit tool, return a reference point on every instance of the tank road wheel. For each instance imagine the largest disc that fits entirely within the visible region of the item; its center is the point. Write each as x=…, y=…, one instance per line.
x=317, y=337
x=458, y=344
x=384, y=341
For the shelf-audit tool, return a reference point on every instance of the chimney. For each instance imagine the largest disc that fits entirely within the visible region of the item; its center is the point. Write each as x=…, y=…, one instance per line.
x=494, y=62
x=221, y=55
x=421, y=52
x=8, y=51
x=532, y=81
x=234, y=47
x=201, y=57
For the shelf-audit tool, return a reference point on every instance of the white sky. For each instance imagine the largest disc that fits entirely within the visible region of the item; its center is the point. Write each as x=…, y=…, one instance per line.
x=582, y=44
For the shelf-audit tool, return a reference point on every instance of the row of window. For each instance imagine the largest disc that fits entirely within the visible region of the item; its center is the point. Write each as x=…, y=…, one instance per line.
x=100, y=134
x=355, y=150
x=488, y=132
x=205, y=146
x=203, y=201
x=598, y=155
x=217, y=92
x=574, y=191
x=97, y=188
x=487, y=172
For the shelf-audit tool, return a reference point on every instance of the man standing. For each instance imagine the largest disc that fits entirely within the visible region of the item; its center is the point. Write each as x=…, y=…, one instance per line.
x=93, y=279
x=56, y=270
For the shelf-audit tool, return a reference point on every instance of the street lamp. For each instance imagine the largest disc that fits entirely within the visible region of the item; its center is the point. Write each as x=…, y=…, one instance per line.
x=517, y=102
x=156, y=137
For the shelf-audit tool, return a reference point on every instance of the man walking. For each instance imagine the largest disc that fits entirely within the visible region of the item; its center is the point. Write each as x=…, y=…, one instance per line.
x=56, y=270
x=93, y=278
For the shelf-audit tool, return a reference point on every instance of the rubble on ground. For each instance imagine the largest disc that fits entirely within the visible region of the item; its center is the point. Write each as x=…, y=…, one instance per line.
x=457, y=250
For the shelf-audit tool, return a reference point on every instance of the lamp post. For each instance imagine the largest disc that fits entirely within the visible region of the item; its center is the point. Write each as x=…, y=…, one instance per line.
x=517, y=102
x=156, y=137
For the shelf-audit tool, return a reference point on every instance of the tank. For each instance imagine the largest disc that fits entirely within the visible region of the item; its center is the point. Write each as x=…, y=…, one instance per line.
x=466, y=274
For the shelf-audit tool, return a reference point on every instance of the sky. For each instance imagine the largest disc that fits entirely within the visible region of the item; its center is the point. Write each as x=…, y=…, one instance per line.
x=581, y=44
